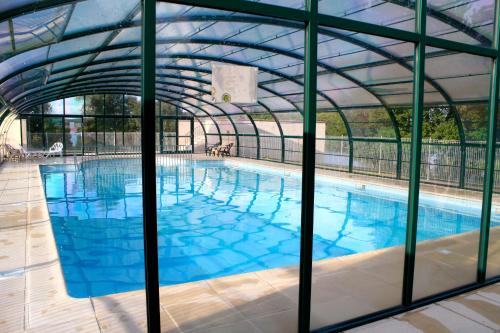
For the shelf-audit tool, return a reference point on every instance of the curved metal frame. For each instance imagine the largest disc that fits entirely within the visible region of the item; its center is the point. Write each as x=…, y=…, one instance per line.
x=339, y=72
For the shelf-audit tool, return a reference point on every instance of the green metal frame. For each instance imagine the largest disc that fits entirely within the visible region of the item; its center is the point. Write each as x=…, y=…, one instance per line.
x=416, y=146
x=148, y=144
x=314, y=23
x=308, y=167
x=489, y=172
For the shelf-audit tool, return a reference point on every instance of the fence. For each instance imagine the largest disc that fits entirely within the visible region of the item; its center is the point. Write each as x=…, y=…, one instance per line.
x=443, y=162
x=166, y=156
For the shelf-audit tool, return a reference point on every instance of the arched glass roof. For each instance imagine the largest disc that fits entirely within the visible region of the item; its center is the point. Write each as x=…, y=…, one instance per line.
x=54, y=49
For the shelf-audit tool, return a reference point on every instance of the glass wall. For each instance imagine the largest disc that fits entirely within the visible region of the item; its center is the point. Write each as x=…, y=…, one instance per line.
x=359, y=236
x=98, y=123
x=53, y=130
x=230, y=261
x=240, y=242
x=74, y=137
x=448, y=230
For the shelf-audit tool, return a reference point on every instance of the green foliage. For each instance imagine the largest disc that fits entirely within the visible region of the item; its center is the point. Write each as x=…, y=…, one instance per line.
x=333, y=122
x=438, y=123
x=114, y=104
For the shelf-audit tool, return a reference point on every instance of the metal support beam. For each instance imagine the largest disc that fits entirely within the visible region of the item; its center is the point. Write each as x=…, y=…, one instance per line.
x=489, y=172
x=308, y=167
x=416, y=146
x=148, y=143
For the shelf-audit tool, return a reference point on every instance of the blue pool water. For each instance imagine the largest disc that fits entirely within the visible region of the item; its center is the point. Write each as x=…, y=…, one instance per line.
x=218, y=218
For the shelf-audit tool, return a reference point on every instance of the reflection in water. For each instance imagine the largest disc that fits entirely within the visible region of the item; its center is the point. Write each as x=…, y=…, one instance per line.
x=214, y=219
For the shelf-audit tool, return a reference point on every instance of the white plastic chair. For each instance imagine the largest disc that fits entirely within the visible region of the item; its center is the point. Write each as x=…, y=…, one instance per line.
x=56, y=148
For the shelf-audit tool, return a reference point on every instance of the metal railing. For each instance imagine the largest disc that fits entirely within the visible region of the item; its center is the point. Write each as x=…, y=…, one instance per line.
x=171, y=155
x=441, y=160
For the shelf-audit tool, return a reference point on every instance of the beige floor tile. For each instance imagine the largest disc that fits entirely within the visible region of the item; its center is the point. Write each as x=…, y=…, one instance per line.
x=203, y=313
x=337, y=309
x=12, y=284
x=328, y=266
x=44, y=313
x=435, y=318
x=477, y=308
x=387, y=326
x=433, y=277
x=235, y=283
x=186, y=292
x=372, y=291
x=256, y=302
x=286, y=276
x=87, y=325
x=124, y=303
x=12, y=317
x=282, y=322
x=239, y=327
x=491, y=292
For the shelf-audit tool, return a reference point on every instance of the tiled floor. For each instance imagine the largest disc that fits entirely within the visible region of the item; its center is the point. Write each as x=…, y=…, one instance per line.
x=33, y=297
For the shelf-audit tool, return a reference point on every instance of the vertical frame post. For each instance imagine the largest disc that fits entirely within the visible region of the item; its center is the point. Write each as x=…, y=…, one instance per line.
x=416, y=147
x=148, y=138
x=308, y=166
x=489, y=172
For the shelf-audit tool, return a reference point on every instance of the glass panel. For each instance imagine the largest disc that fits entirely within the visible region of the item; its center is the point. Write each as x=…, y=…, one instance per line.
x=89, y=135
x=332, y=144
x=74, y=105
x=94, y=105
x=397, y=14
x=359, y=221
x=447, y=238
x=101, y=142
x=132, y=132
x=110, y=139
x=132, y=105
x=235, y=264
x=114, y=105
x=95, y=13
x=169, y=140
x=5, y=41
x=493, y=266
x=73, y=139
x=55, y=107
x=54, y=130
x=472, y=20
x=39, y=28
x=184, y=134
x=168, y=109
x=35, y=133
x=119, y=134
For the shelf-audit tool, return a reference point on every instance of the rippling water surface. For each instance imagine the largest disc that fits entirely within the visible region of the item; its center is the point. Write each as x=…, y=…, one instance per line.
x=216, y=218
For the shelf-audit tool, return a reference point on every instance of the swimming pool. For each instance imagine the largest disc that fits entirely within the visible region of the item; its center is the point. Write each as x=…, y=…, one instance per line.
x=218, y=218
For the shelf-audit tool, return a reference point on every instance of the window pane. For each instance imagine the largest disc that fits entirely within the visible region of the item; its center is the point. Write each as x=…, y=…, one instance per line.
x=55, y=107
x=101, y=142
x=114, y=105
x=35, y=133
x=89, y=135
x=132, y=132
x=74, y=105
x=94, y=105
x=448, y=226
x=110, y=140
x=132, y=105
x=54, y=130
x=73, y=139
x=168, y=109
